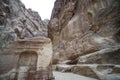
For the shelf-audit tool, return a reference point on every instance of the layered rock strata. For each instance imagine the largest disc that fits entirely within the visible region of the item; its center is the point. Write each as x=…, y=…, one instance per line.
x=85, y=36
x=80, y=27
x=17, y=22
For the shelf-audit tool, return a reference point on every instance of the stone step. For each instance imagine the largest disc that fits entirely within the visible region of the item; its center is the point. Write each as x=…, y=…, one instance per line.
x=98, y=71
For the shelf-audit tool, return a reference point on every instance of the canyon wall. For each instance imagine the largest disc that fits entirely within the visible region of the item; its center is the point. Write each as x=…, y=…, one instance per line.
x=25, y=50
x=81, y=27
x=17, y=22
x=86, y=37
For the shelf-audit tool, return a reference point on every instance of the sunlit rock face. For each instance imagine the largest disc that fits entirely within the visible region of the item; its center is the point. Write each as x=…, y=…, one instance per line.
x=17, y=22
x=79, y=27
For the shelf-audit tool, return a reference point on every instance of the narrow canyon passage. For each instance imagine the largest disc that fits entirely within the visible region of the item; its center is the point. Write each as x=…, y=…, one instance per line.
x=80, y=41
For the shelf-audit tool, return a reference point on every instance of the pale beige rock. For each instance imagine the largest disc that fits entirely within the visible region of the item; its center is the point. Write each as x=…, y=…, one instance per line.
x=32, y=54
x=105, y=56
x=98, y=71
x=83, y=27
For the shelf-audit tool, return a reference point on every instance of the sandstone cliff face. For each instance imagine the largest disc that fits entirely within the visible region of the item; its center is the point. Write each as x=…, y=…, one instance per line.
x=17, y=22
x=80, y=27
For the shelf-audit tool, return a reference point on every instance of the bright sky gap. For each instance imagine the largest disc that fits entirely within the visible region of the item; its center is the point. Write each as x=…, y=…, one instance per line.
x=43, y=7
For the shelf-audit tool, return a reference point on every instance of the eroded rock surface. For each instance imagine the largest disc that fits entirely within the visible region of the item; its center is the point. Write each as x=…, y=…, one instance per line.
x=17, y=22
x=80, y=27
x=85, y=33
x=97, y=71
x=105, y=56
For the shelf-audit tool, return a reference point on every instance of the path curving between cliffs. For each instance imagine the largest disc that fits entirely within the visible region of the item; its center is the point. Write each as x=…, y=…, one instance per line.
x=69, y=76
